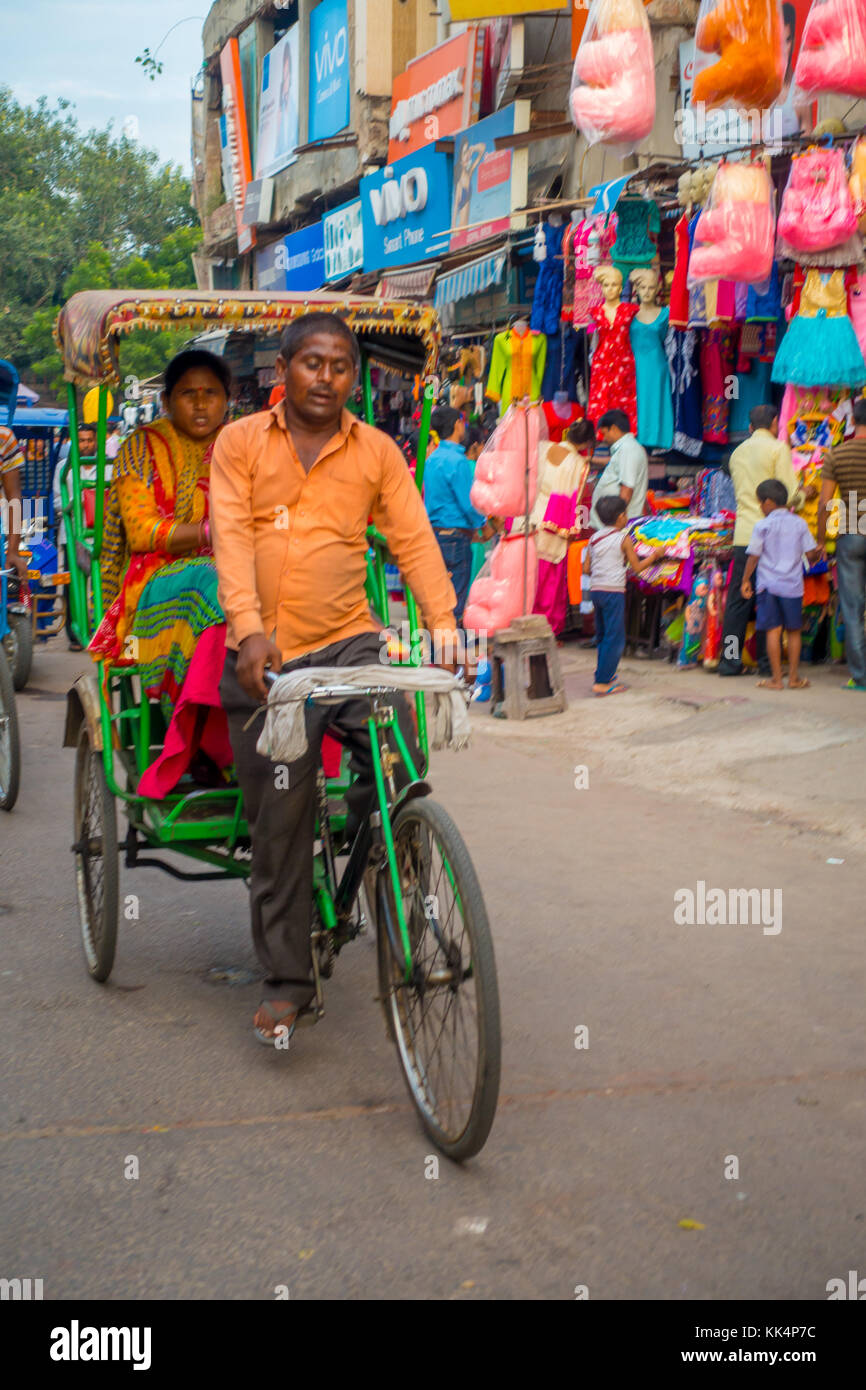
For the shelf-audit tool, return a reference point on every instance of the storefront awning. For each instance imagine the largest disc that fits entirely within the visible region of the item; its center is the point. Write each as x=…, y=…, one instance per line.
x=408, y=284
x=473, y=278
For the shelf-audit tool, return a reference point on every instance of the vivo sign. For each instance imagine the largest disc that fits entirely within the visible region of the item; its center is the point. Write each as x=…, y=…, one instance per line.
x=399, y=197
x=402, y=206
x=329, y=69
x=331, y=56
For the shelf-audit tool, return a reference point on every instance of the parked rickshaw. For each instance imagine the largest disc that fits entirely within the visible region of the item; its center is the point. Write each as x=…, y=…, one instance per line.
x=17, y=618
x=10, y=747
x=408, y=866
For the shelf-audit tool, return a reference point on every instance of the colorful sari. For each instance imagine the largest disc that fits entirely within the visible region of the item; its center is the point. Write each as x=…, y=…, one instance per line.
x=163, y=614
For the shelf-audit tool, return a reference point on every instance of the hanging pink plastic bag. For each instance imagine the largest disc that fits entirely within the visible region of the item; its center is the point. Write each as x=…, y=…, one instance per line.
x=817, y=210
x=748, y=36
x=499, y=486
x=734, y=238
x=496, y=596
x=613, y=90
x=832, y=54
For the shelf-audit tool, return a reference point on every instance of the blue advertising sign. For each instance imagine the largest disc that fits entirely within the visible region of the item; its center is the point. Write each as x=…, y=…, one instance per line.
x=344, y=240
x=329, y=69
x=403, y=206
x=295, y=263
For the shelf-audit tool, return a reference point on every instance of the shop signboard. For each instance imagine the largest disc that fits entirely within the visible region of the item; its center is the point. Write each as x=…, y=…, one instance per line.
x=489, y=184
x=437, y=95
x=278, y=106
x=403, y=206
x=344, y=240
x=457, y=11
x=295, y=262
x=236, y=136
x=329, y=70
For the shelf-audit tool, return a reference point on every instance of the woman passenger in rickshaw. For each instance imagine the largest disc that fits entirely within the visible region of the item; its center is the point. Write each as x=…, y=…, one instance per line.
x=159, y=581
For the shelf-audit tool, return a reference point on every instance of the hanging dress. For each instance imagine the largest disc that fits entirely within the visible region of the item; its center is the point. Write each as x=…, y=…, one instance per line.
x=655, y=410
x=820, y=347
x=612, y=383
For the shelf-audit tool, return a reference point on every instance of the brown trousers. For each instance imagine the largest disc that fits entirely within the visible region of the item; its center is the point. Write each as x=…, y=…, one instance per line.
x=282, y=819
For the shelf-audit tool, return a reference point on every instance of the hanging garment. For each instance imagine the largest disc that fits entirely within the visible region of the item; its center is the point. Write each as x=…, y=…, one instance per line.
x=655, y=409
x=765, y=303
x=820, y=347
x=590, y=239
x=753, y=388
x=857, y=309
x=547, y=297
x=612, y=382
x=516, y=367
x=702, y=296
x=679, y=300
x=681, y=347
x=817, y=210
x=560, y=366
x=851, y=252
x=558, y=424
x=636, y=234
x=717, y=376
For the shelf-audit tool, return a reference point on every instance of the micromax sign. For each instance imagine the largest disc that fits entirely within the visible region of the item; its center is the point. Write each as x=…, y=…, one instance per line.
x=421, y=104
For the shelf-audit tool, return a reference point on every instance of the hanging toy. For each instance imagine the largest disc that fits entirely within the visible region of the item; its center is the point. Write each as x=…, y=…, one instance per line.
x=748, y=36
x=613, y=94
x=832, y=54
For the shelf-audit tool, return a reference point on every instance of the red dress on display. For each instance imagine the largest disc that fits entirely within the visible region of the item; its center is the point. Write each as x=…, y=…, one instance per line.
x=612, y=384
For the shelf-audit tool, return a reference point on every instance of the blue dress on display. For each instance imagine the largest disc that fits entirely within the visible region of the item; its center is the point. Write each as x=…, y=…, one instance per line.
x=655, y=410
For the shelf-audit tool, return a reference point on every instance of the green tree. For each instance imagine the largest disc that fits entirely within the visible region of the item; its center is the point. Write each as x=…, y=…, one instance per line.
x=62, y=189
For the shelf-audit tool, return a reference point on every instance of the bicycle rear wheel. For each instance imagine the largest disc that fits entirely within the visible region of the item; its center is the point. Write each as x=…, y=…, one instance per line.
x=445, y=1018
x=10, y=744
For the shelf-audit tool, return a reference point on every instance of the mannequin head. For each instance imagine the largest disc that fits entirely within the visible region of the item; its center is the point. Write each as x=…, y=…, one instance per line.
x=610, y=281
x=646, y=284
x=520, y=325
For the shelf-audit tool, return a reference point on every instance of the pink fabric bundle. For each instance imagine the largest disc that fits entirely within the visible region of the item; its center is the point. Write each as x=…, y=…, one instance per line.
x=496, y=596
x=734, y=238
x=613, y=96
x=832, y=54
x=817, y=210
x=499, y=486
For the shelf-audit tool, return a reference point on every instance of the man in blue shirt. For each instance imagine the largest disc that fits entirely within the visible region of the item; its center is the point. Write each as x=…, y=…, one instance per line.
x=448, y=474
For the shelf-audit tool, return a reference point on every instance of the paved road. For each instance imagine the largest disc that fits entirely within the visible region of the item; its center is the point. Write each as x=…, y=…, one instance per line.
x=308, y=1169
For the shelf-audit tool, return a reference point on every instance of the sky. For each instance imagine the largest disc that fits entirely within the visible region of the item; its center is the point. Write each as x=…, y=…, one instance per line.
x=85, y=50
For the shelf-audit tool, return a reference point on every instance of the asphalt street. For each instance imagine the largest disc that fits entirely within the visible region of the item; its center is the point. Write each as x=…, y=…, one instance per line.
x=308, y=1170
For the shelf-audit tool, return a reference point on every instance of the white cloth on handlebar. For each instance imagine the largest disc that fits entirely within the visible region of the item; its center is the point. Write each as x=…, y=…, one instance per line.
x=284, y=736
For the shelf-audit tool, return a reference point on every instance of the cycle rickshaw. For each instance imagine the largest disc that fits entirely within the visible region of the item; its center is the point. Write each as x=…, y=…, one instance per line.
x=408, y=864
x=10, y=746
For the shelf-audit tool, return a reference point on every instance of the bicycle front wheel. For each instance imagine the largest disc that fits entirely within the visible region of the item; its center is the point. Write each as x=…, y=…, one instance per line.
x=445, y=1017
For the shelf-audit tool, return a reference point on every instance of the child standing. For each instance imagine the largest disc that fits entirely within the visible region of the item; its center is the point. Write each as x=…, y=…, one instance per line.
x=779, y=542
x=608, y=556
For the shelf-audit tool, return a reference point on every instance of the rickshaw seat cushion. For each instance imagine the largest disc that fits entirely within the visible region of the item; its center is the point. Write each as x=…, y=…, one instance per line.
x=88, y=504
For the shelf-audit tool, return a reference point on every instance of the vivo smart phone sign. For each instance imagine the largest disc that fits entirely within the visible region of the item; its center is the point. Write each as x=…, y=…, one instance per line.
x=402, y=206
x=329, y=69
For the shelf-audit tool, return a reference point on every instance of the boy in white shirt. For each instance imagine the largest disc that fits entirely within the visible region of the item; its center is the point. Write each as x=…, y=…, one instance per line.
x=608, y=557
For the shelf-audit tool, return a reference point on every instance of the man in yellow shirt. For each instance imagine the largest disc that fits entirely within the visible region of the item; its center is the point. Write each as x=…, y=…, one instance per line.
x=763, y=455
x=292, y=489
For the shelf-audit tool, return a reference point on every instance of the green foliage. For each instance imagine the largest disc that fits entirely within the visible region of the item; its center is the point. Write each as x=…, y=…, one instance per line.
x=63, y=189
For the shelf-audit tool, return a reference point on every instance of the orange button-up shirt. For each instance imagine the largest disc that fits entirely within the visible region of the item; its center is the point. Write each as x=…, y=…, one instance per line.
x=291, y=546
